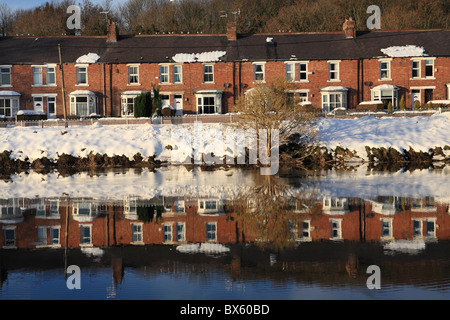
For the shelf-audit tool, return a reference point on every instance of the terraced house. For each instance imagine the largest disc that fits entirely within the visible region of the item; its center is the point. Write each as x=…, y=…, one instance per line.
x=206, y=74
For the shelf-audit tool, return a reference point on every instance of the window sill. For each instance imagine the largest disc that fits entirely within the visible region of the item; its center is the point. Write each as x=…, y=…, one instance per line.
x=43, y=85
x=133, y=84
x=334, y=80
x=6, y=86
x=386, y=79
x=81, y=85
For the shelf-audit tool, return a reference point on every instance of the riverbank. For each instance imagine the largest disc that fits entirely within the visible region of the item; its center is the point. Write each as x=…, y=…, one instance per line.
x=423, y=141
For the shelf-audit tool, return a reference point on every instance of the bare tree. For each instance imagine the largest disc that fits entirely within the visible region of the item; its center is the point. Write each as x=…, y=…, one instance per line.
x=6, y=19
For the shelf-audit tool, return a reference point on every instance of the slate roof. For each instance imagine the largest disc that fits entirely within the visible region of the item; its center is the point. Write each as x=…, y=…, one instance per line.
x=161, y=48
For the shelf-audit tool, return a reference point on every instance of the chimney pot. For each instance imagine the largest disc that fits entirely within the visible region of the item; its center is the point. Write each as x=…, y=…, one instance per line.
x=349, y=28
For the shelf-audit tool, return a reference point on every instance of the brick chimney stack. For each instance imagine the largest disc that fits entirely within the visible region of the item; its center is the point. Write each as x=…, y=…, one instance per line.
x=349, y=28
x=111, y=33
x=231, y=31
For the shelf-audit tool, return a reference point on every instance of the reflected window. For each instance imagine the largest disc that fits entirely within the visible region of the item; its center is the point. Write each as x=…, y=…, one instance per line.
x=9, y=237
x=54, y=235
x=136, y=230
x=211, y=231
x=417, y=228
x=305, y=229
x=85, y=234
x=181, y=231
x=386, y=228
x=167, y=230
x=336, y=231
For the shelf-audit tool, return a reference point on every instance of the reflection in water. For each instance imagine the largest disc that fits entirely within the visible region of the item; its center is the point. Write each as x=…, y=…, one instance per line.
x=300, y=229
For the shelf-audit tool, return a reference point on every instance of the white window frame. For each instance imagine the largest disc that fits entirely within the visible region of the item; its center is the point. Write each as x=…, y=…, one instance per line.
x=418, y=69
x=338, y=229
x=336, y=71
x=329, y=99
x=200, y=102
x=167, y=233
x=164, y=74
x=261, y=72
x=8, y=73
x=9, y=245
x=137, y=233
x=79, y=73
x=83, y=242
x=133, y=75
x=180, y=230
x=177, y=76
x=305, y=233
x=377, y=95
x=425, y=68
x=37, y=72
x=209, y=73
x=290, y=74
x=387, y=221
x=48, y=73
x=211, y=235
x=14, y=105
x=91, y=101
x=387, y=69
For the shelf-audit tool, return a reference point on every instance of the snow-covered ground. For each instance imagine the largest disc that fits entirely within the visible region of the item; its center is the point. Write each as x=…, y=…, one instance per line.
x=169, y=142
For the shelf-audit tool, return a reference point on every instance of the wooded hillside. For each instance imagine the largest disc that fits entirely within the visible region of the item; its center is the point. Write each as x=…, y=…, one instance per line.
x=211, y=16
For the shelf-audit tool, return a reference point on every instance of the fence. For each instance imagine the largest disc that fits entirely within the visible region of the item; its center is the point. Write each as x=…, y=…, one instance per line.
x=212, y=118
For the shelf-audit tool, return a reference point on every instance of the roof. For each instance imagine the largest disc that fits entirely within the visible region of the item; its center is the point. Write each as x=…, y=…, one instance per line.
x=163, y=48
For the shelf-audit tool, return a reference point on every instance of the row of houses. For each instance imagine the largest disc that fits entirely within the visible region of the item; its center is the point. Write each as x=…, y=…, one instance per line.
x=79, y=76
x=90, y=223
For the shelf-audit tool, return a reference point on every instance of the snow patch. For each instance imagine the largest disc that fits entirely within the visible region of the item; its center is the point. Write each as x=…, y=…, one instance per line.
x=207, y=248
x=211, y=56
x=404, y=51
x=88, y=58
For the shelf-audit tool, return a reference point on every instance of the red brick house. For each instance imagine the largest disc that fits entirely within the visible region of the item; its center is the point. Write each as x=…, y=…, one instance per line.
x=199, y=74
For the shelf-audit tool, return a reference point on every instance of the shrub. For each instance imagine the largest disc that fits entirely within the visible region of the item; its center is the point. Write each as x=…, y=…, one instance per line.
x=402, y=103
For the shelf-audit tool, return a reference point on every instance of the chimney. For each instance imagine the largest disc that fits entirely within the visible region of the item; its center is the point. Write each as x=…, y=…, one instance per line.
x=111, y=33
x=349, y=28
x=231, y=31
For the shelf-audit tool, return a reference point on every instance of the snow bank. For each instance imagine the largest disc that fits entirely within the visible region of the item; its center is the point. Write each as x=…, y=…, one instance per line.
x=88, y=58
x=420, y=133
x=207, y=248
x=212, y=56
x=404, y=51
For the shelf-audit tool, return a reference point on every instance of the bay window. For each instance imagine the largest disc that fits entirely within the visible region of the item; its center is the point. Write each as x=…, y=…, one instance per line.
x=333, y=98
x=83, y=103
x=9, y=103
x=209, y=102
x=385, y=94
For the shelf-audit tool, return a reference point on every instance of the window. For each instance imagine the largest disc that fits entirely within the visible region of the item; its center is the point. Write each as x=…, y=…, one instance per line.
x=37, y=76
x=5, y=76
x=336, y=232
x=133, y=74
x=181, y=231
x=429, y=68
x=385, y=70
x=9, y=105
x=9, y=236
x=54, y=235
x=416, y=69
x=290, y=72
x=305, y=230
x=51, y=76
x=164, y=74
x=85, y=234
x=386, y=228
x=386, y=93
x=167, y=233
x=208, y=73
x=211, y=231
x=82, y=75
x=42, y=235
x=417, y=228
x=259, y=72
x=209, y=102
x=303, y=71
x=333, y=71
x=83, y=103
x=333, y=98
x=177, y=76
x=136, y=231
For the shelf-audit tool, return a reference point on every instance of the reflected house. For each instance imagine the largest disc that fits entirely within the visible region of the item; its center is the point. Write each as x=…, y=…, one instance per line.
x=42, y=223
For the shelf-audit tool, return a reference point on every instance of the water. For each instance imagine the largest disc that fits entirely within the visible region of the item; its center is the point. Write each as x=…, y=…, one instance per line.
x=189, y=234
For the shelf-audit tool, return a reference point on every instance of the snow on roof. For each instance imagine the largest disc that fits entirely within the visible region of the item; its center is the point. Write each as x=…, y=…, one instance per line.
x=88, y=58
x=81, y=92
x=404, y=51
x=9, y=93
x=334, y=88
x=210, y=56
x=385, y=87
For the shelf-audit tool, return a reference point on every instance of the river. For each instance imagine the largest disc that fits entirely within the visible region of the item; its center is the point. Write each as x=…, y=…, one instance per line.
x=187, y=233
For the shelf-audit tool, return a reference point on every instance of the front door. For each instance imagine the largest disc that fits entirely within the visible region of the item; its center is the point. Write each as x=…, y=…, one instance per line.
x=51, y=107
x=178, y=102
x=415, y=96
x=38, y=104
